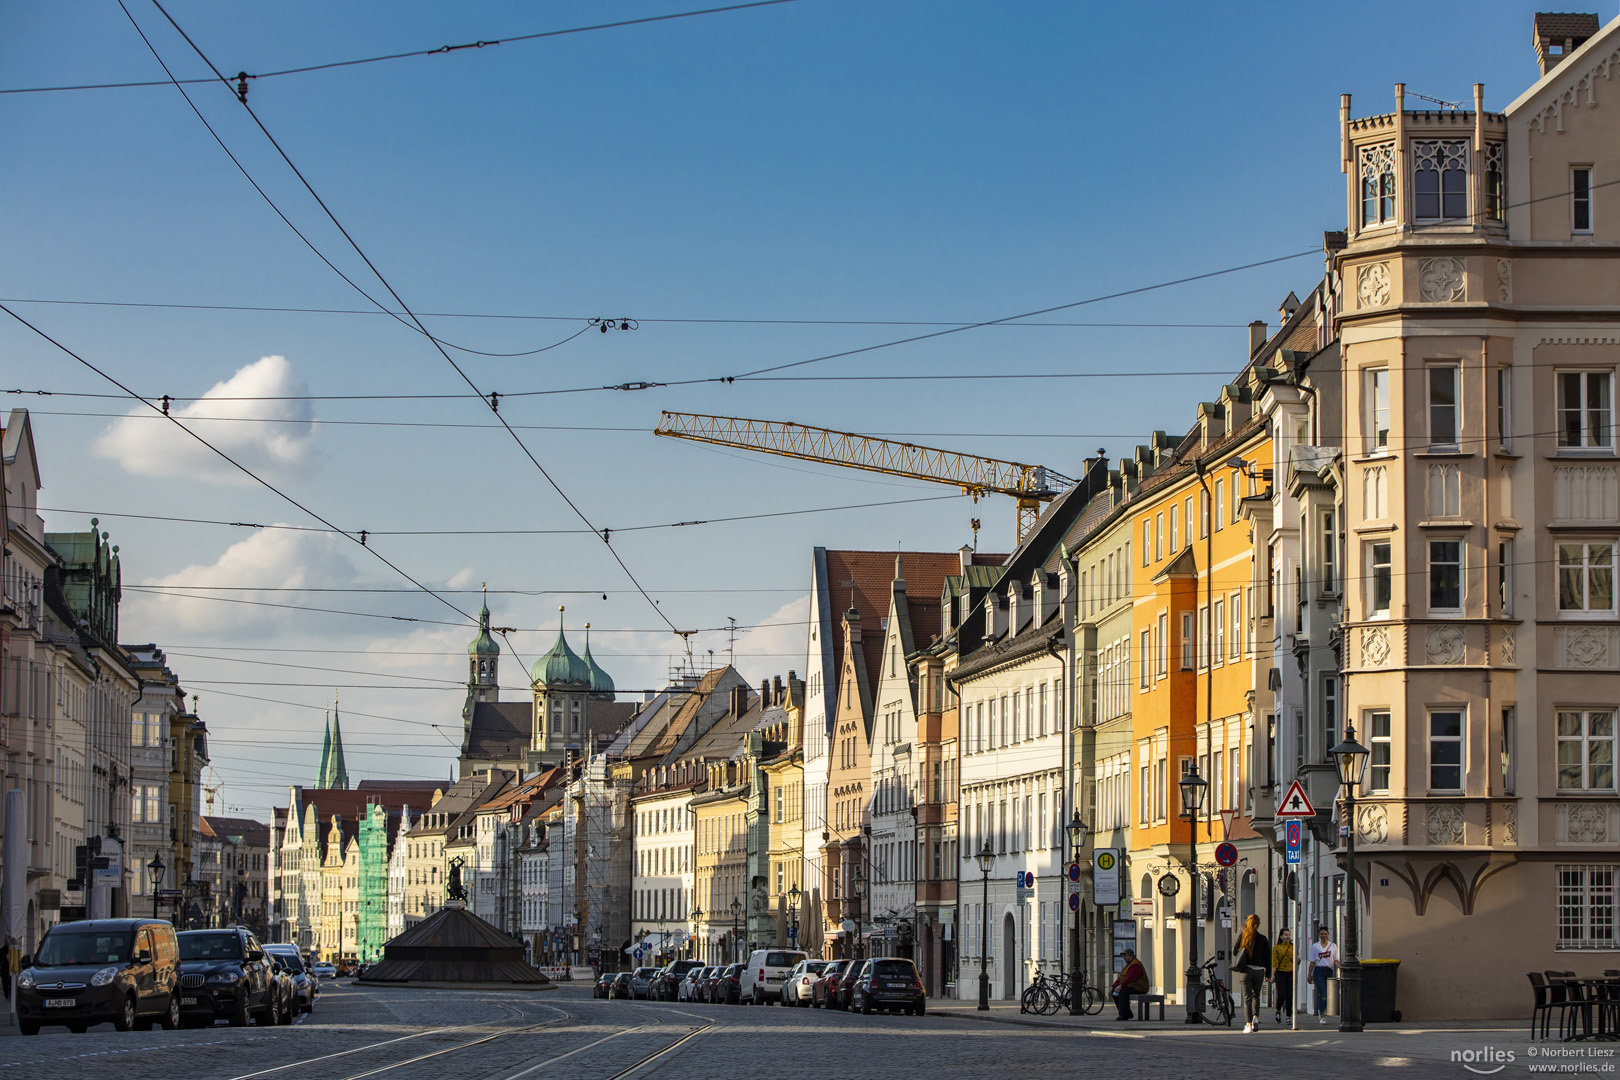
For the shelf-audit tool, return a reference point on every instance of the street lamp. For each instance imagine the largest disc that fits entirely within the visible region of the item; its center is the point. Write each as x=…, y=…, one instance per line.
x=859, y=893
x=736, y=910
x=1350, y=758
x=1193, y=788
x=697, y=928
x=155, y=868
x=1077, y=840
x=985, y=858
x=793, y=910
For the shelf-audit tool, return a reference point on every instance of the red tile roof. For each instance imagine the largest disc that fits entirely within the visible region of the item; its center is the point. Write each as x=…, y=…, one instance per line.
x=868, y=575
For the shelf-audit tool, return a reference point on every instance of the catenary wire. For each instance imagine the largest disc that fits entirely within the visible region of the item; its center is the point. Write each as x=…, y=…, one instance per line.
x=606, y=542
x=440, y=51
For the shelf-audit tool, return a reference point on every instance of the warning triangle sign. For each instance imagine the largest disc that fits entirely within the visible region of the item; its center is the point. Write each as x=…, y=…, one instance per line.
x=1295, y=803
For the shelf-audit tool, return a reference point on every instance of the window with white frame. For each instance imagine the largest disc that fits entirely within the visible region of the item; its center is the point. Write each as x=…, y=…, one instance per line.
x=1446, y=749
x=1504, y=576
x=1146, y=678
x=1588, y=908
x=1586, y=577
x=1504, y=408
x=1147, y=540
x=1330, y=555
x=1445, y=575
x=1442, y=385
x=1380, y=762
x=1161, y=659
x=1580, y=199
x=1203, y=637
x=1439, y=180
x=1158, y=537
x=1585, y=410
x=1203, y=514
x=1220, y=505
x=1175, y=529
x=1496, y=181
x=1380, y=584
x=1330, y=713
x=1376, y=166
x=1235, y=608
x=1586, y=750
x=1375, y=396
x=1189, y=641
x=1218, y=621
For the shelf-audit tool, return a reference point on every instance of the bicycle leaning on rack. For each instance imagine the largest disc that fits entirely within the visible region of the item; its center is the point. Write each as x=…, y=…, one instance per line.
x=1048, y=994
x=1218, y=1008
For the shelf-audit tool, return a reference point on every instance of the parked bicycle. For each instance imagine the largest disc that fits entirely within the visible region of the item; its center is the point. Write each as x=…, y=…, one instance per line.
x=1218, y=1008
x=1048, y=994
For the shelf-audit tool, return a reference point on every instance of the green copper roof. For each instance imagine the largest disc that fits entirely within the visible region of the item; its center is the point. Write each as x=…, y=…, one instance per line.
x=601, y=681
x=483, y=644
x=560, y=665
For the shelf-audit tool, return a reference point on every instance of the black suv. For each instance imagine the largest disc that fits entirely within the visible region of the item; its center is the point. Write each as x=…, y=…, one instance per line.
x=667, y=984
x=225, y=973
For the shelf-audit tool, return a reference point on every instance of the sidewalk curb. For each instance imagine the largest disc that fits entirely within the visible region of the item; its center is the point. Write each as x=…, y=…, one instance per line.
x=1046, y=1025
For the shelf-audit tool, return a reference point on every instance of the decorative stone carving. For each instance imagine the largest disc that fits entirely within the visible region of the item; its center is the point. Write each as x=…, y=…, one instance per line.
x=1372, y=284
x=1587, y=823
x=1372, y=824
x=1510, y=646
x=1445, y=824
x=1442, y=281
x=1510, y=823
x=1374, y=645
x=1585, y=647
x=1446, y=645
x=1504, y=280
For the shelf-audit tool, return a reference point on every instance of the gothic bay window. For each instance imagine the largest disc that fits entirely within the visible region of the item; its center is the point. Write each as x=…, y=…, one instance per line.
x=1586, y=578
x=1440, y=180
x=1442, y=406
x=1445, y=576
x=1585, y=410
x=1580, y=199
x=1496, y=181
x=1586, y=750
x=1376, y=165
x=1379, y=582
x=1446, y=749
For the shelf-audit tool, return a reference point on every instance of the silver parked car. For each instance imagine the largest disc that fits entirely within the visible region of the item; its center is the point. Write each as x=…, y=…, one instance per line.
x=641, y=982
x=798, y=988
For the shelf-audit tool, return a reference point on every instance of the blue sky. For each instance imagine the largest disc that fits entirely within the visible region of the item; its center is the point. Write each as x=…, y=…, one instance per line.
x=818, y=160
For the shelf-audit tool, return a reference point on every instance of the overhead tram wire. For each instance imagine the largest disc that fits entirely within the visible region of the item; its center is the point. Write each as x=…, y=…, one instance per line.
x=606, y=535
x=249, y=473
x=442, y=50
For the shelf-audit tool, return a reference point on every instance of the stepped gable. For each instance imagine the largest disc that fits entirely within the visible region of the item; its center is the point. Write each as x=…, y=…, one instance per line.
x=455, y=948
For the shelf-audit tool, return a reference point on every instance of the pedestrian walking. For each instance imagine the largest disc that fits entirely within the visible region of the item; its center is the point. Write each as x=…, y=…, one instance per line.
x=1252, y=963
x=1322, y=962
x=1282, y=975
x=1132, y=980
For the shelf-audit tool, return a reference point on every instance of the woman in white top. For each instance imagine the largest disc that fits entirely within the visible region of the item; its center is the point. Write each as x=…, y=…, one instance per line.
x=1322, y=960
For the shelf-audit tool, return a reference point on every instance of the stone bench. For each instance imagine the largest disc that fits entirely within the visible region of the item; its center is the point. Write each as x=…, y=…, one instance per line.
x=1140, y=1002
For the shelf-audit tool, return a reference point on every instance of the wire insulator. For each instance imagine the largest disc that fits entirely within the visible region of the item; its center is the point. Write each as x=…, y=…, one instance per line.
x=241, y=86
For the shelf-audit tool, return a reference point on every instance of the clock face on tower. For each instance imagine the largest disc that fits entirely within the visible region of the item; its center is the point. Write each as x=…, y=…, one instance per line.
x=1169, y=885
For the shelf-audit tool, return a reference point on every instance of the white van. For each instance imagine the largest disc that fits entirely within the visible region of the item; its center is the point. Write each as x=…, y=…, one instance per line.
x=766, y=971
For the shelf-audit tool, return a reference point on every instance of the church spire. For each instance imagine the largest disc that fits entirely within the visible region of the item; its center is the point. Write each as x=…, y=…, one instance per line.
x=326, y=754
x=334, y=774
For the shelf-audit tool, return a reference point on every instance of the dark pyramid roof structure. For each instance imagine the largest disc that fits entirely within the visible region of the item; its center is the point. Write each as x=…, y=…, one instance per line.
x=453, y=947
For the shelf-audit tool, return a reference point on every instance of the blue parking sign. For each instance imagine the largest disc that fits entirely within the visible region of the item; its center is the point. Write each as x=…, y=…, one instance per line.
x=1293, y=837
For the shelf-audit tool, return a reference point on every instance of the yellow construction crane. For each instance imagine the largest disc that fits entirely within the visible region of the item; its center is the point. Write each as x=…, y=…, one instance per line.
x=1031, y=485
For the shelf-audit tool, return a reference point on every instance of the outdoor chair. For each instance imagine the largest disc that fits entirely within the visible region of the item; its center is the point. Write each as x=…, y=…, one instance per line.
x=1549, y=998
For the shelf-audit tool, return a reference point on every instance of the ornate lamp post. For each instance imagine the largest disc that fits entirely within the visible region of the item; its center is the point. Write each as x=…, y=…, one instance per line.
x=697, y=928
x=1077, y=840
x=736, y=910
x=985, y=857
x=1193, y=788
x=1350, y=758
x=155, y=869
x=858, y=893
x=793, y=914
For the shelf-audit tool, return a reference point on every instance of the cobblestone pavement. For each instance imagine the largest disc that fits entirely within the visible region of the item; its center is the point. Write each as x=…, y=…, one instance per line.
x=368, y=1032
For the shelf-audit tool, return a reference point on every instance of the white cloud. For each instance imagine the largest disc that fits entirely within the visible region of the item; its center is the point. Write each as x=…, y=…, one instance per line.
x=265, y=436
x=777, y=646
x=276, y=560
x=461, y=579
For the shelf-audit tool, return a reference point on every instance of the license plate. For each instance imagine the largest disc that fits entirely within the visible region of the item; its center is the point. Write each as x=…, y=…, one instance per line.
x=188, y=1001
x=61, y=1003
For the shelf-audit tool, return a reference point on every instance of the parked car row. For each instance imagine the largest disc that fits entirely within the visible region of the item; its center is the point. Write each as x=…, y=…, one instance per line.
x=769, y=976
x=136, y=973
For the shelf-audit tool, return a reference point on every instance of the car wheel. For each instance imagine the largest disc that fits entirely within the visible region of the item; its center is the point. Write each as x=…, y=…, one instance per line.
x=922, y=1007
x=77, y=1029
x=754, y=998
x=866, y=1006
x=287, y=1010
x=267, y=1015
x=29, y=1029
x=171, y=1018
x=240, y=1013
x=125, y=1020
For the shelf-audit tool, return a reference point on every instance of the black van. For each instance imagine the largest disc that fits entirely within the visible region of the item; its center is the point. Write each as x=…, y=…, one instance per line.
x=123, y=970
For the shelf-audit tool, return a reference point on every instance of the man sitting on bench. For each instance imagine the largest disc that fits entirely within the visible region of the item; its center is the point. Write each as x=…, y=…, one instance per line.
x=1132, y=980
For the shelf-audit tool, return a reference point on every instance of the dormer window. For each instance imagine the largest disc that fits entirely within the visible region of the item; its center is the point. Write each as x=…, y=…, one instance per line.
x=1376, y=165
x=1440, y=180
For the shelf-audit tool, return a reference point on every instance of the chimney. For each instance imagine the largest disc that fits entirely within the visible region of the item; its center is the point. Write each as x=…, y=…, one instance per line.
x=1257, y=336
x=1559, y=33
x=964, y=556
x=765, y=698
x=776, y=685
